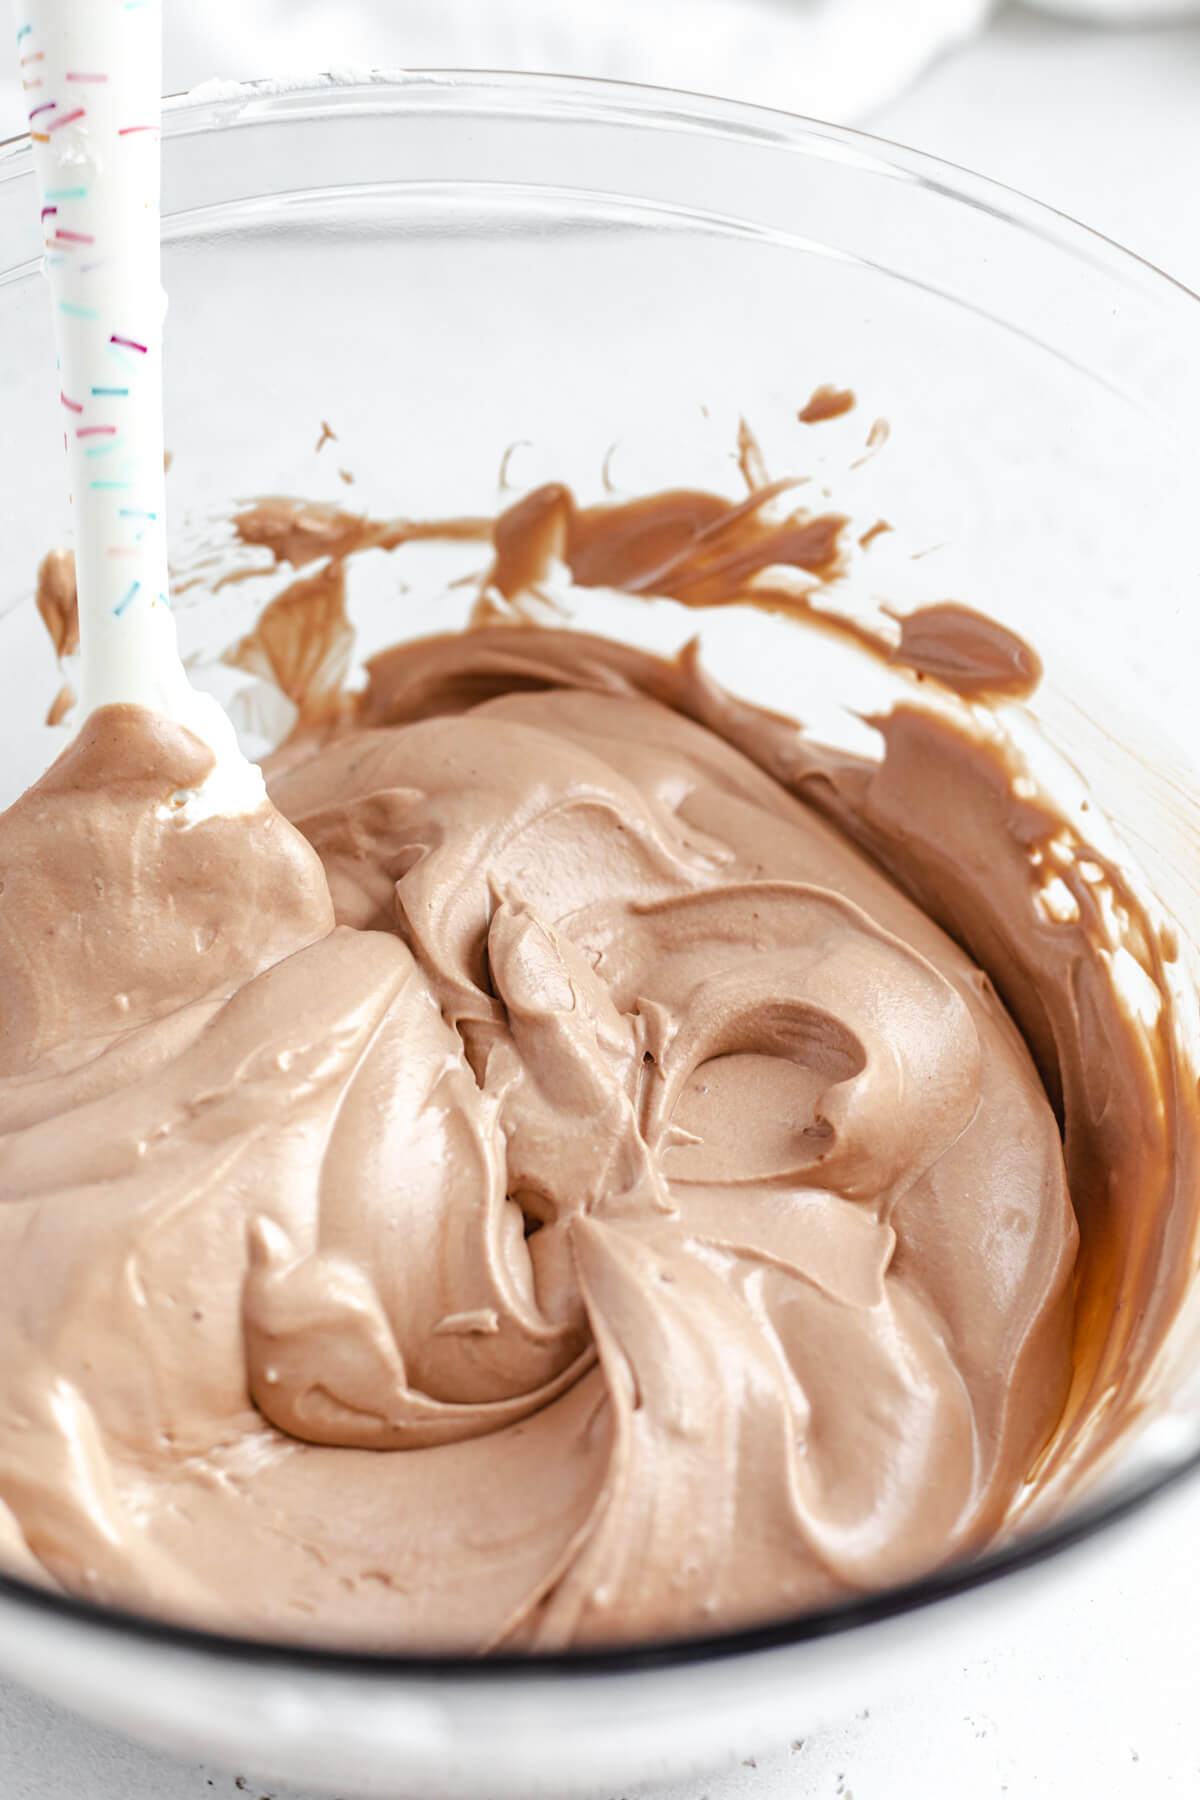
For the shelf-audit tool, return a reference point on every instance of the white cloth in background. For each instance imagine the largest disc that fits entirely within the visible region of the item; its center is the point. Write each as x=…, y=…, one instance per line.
x=836, y=59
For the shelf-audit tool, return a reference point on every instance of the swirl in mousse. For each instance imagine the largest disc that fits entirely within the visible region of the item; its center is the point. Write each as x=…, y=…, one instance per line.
x=539, y=1181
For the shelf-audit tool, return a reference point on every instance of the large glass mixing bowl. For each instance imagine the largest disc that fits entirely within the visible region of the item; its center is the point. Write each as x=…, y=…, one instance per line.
x=603, y=282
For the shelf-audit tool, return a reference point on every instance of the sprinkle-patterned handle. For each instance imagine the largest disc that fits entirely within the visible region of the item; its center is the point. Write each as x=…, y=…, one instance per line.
x=91, y=70
x=92, y=73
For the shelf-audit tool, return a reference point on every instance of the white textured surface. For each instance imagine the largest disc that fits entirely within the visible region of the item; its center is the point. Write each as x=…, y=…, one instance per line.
x=1098, y=1698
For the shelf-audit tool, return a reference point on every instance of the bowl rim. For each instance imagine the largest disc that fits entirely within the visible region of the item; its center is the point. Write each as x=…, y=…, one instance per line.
x=221, y=105
x=497, y=1668
x=218, y=105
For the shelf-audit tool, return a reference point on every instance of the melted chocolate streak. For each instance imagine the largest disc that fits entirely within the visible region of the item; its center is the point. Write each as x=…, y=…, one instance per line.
x=697, y=548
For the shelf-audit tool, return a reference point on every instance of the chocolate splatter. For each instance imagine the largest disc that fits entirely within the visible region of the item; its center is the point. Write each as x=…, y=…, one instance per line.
x=826, y=402
x=61, y=705
x=58, y=602
x=967, y=652
x=302, y=643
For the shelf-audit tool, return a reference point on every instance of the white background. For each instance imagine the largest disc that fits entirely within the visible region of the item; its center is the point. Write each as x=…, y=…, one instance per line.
x=1098, y=1696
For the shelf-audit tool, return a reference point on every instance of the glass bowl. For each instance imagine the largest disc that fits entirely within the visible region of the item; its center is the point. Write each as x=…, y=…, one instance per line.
x=485, y=280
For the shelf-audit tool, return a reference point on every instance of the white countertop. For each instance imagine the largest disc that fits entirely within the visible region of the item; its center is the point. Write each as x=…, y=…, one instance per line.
x=1098, y=1697
x=1104, y=125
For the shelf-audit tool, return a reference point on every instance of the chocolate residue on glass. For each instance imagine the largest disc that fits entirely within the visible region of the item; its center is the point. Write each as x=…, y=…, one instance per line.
x=700, y=549
x=298, y=532
x=967, y=652
x=302, y=643
x=61, y=705
x=56, y=601
x=750, y=460
x=877, y=437
x=697, y=548
x=826, y=402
